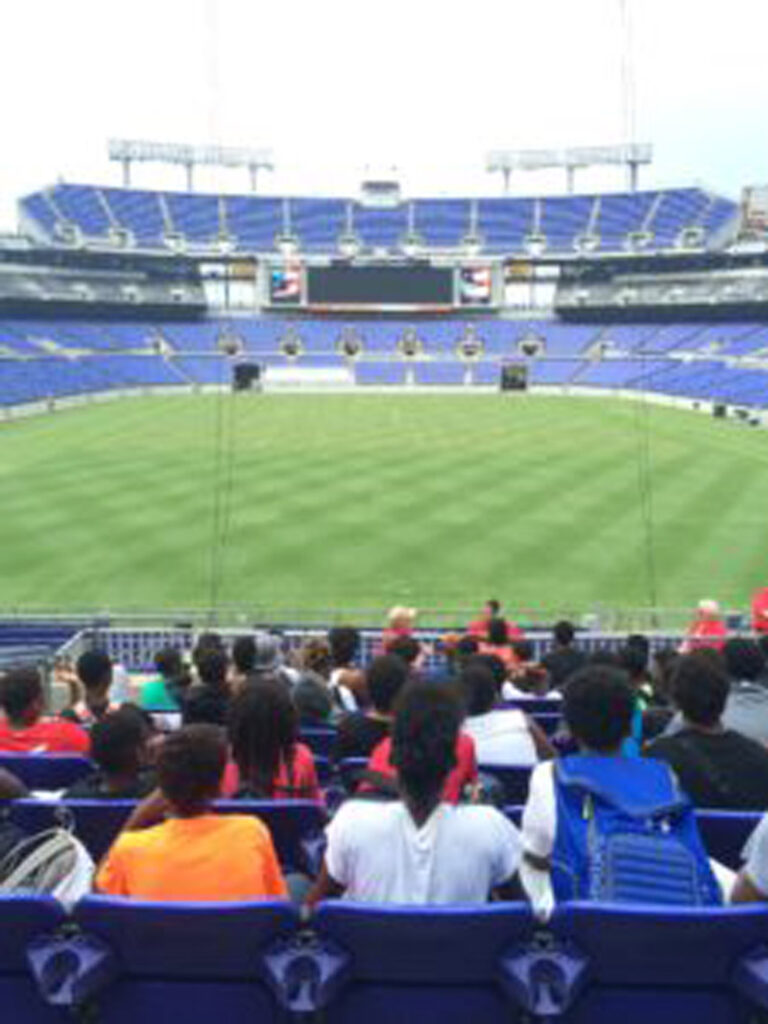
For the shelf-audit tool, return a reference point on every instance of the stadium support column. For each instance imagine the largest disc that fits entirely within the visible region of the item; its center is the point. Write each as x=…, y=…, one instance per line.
x=126, y=162
x=190, y=169
x=634, y=175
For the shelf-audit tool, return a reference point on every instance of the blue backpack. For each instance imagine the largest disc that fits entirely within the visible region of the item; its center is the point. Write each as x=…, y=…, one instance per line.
x=626, y=833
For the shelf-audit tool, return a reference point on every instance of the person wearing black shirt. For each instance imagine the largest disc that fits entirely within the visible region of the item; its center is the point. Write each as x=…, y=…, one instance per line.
x=564, y=659
x=717, y=767
x=119, y=749
x=359, y=733
x=208, y=701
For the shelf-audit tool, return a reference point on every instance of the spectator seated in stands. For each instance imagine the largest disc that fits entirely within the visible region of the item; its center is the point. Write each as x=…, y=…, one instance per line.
x=119, y=750
x=194, y=854
x=243, y=661
x=564, y=659
x=751, y=884
x=346, y=681
x=269, y=660
x=315, y=656
x=410, y=651
x=166, y=692
x=94, y=670
x=418, y=850
x=529, y=680
x=24, y=729
x=557, y=837
x=360, y=732
x=746, y=710
x=502, y=736
x=707, y=630
x=312, y=701
x=462, y=781
x=400, y=622
x=209, y=699
x=263, y=731
x=716, y=766
x=492, y=610
x=498, y=642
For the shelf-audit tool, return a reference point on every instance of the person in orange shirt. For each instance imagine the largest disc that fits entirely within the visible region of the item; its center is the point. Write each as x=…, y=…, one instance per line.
x=195, y=854
x=24, y=730
x=706, y=630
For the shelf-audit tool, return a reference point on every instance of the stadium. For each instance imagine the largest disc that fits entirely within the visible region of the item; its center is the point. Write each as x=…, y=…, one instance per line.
x=384, y=595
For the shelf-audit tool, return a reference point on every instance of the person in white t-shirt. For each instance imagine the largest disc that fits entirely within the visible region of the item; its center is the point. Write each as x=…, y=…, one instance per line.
x=418, y=850
x=503, y=736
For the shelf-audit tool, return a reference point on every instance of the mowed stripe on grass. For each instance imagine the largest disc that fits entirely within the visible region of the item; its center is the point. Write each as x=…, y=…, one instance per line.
x=317, y=502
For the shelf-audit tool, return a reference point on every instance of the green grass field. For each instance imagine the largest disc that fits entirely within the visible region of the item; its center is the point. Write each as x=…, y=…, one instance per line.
x=301, y=504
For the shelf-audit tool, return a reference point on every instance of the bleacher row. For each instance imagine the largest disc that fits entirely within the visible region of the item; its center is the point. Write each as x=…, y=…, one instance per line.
x=44, y=359
x=122, y=961
x=253, y=223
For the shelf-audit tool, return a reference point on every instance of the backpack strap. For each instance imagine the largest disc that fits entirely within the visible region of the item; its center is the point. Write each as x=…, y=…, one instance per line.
x=673, y=804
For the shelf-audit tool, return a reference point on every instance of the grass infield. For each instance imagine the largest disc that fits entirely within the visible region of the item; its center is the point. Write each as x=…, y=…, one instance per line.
x=306, y=503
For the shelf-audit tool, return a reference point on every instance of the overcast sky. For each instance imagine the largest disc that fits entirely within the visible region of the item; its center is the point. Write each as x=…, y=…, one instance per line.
x=426, y=85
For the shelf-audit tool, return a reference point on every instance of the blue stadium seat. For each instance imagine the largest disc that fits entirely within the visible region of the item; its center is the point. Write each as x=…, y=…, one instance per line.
x=514, y=779
x=652, y=964
x=548, y=723
x=435, y=964
x=22, y=920
x=350, y=770
x=97, y=822
x=725, y=833
x=535, y=706
x=46, y=771
x=194, y=963
x=319, y=739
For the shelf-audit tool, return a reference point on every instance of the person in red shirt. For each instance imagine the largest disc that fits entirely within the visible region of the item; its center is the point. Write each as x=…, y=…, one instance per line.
x=269, y=763
x=760, y=611
x=461, y=776
x=24, y=730
x=706, y=630
x=491, y=611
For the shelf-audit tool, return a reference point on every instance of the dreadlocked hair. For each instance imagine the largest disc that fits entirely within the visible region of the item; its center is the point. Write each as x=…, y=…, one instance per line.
x=263, y=727
x=424, y=734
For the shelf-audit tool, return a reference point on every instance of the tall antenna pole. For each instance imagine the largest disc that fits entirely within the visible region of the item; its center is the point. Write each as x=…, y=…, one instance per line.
x=628, y=87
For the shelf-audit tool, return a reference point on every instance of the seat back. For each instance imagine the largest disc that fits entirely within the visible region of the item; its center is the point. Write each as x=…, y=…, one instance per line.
x=24, y=919
x=292, y=824
x=725, y=833
x=429, y=964
x=548, y=723
x=192, y=962
x=97, y=823
x=513, y=778
x=46, y=771
x=319, y=739
x=657, y=964
x=534, y=705
x=350, y=771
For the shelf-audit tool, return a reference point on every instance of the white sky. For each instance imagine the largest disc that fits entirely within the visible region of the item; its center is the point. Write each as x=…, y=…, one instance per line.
x=427, y=85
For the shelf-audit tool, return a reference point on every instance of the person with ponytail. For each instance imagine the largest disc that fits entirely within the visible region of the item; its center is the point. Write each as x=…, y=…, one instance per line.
x=420, y=849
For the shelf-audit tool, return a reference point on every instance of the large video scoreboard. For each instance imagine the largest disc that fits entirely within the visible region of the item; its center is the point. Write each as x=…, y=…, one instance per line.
x=344, y=285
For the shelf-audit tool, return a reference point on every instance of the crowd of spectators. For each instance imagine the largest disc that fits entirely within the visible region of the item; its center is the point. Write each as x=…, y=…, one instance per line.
x=687, y=724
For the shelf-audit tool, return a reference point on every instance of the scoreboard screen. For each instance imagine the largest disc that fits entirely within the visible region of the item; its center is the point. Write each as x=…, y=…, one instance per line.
x=342, y=284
